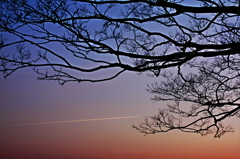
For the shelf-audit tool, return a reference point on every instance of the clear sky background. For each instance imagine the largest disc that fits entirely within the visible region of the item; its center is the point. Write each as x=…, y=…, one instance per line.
x=23, y=100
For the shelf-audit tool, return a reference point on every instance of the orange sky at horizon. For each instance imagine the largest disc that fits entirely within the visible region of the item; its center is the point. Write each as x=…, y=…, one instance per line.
x=23, y=99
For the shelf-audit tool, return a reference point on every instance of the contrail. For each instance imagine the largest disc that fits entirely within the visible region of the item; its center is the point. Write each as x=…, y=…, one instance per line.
x=72, y=121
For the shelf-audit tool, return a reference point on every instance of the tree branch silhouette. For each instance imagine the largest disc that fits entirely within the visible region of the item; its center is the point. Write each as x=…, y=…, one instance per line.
x=213, y=94
x=75, y=41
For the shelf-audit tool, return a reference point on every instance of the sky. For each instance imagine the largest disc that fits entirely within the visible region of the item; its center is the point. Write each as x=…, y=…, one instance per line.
x=43, y=120
x=25, y=100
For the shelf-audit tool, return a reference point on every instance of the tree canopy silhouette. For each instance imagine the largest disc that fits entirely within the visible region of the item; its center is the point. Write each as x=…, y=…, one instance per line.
x=193, y=46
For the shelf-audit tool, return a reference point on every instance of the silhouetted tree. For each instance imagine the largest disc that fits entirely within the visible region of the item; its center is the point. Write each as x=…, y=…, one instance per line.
x=76, y=40
x=202, y=98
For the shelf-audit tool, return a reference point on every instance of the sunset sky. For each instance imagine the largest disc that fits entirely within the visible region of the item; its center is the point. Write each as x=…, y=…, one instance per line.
x=43, y=120
x=23, y=100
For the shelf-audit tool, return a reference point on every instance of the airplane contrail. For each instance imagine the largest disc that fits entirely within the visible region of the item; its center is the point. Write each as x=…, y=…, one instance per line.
x=72, y=121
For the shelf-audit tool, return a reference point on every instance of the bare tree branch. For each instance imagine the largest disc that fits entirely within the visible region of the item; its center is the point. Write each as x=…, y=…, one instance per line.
x=212, y=94
x=76, y=40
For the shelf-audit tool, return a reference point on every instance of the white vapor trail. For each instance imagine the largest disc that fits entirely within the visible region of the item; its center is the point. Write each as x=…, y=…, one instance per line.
x=72, y=121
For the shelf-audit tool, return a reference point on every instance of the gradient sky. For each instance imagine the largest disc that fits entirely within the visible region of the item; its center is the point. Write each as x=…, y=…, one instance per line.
x=25, y=100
